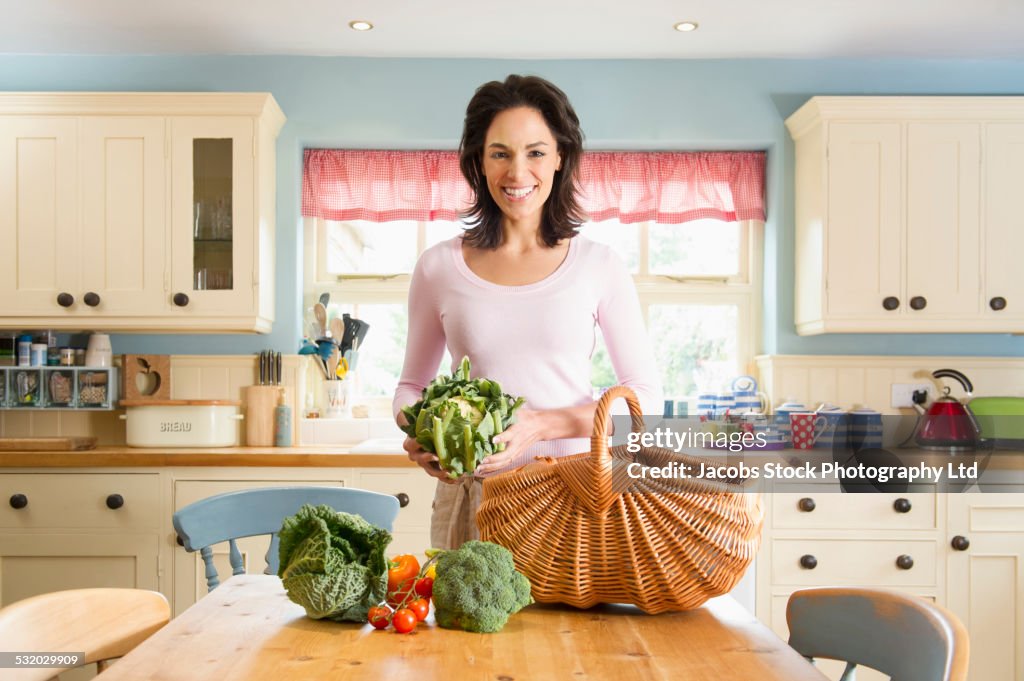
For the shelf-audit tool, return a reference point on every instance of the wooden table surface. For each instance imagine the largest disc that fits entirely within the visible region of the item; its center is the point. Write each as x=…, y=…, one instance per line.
x=247, y=629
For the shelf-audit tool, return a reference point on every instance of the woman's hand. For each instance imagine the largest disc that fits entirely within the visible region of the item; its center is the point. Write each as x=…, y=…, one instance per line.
x=529, y=428
x=425, y=460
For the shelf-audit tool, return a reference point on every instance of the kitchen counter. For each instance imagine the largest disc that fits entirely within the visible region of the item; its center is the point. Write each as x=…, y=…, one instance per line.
x=124, y=457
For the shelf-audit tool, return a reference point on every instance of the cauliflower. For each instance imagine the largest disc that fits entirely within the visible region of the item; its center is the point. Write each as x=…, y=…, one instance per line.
x=477, y=587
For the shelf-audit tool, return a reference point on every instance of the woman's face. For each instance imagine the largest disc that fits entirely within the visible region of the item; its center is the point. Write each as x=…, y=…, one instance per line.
x=519, y=164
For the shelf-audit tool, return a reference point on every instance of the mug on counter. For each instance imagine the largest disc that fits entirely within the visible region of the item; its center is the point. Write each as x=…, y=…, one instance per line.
x=805, y=428
x=835, y=431
x=865, y=429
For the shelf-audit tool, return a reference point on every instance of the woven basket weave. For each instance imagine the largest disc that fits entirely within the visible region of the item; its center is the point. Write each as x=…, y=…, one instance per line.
x=585, y=532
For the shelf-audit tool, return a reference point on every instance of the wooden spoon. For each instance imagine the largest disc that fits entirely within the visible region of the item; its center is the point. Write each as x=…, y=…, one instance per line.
x=320, y=312
x=337, y=330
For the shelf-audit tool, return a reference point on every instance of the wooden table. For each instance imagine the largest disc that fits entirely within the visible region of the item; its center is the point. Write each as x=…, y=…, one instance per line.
x=248, y=629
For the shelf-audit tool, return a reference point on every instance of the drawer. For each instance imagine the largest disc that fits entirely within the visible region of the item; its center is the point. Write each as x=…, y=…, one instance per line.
x=830, y=510
x=849, y=562
x=414, y=483
x=80, y=500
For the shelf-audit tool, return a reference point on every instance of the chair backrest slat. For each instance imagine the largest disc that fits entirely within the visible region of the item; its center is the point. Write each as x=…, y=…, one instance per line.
x=878, y=628
x=261, y=511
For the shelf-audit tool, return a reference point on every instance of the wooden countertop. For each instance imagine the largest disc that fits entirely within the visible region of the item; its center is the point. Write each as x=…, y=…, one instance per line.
x=248, y=629
x=128, y=457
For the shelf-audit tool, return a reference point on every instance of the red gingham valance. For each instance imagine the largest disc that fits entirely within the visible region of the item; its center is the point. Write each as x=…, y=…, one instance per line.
x=665, y=187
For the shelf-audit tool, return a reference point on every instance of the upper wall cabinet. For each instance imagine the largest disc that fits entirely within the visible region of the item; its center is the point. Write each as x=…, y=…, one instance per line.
x=137, y=212
x=907, y=218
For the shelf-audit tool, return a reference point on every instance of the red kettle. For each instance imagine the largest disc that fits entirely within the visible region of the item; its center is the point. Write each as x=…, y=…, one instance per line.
x=948, y=424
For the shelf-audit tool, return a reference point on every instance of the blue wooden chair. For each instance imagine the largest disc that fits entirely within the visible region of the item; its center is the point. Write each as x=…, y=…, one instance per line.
x=254, y=512
x=904, y=637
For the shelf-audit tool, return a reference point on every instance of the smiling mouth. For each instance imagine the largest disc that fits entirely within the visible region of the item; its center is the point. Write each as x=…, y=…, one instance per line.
x=517, y=193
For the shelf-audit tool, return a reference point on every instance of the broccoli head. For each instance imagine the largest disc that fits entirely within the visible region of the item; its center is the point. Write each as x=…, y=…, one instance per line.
x=477, y=587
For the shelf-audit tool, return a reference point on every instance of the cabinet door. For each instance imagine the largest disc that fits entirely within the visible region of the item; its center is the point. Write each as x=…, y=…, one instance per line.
x=124, y=249
x=1003, y=221
x=213, y=217
x=863, y=239
x=38, y=214
x=943, y=219
x=986, y=581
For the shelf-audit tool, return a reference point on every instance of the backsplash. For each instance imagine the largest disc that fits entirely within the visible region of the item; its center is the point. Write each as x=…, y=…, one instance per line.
x=208, y=377
x=849, y=380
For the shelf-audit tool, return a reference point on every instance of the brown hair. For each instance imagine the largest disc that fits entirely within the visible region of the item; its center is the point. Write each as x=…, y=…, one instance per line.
x=562, y=213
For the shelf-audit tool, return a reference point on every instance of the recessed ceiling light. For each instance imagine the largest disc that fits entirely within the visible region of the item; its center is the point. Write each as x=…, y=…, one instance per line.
x=686, y=26
x=360, y=25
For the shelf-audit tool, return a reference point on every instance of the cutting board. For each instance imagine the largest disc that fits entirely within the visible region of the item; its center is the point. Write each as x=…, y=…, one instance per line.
x=46, y=444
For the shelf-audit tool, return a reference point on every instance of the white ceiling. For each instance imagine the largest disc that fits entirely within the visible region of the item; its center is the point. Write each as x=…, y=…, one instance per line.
x=586, y=29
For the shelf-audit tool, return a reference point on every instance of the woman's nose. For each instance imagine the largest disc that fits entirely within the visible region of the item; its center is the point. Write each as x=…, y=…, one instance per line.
x=517, y=167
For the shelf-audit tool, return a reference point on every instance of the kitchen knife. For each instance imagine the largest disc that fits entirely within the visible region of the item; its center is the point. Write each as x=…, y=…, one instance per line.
x=277, y=370
x=263, y=370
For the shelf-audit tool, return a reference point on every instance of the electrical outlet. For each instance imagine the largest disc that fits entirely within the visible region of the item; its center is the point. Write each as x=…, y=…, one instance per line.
x=903, y=393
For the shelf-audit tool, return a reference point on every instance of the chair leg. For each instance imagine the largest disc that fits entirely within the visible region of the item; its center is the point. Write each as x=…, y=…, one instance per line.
x=850, y=673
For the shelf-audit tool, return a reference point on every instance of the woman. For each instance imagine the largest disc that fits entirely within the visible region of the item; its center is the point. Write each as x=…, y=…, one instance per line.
x=519, y=294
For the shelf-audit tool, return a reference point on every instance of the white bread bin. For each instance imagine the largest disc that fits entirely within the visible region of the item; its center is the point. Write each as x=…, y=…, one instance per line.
x=181, y=423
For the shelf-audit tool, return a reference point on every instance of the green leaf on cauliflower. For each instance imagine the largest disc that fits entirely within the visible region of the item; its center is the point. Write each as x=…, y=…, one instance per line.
x=452, y=404
x=333, y=563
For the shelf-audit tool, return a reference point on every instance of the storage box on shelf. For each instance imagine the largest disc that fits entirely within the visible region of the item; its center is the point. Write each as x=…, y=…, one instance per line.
x=58, y=387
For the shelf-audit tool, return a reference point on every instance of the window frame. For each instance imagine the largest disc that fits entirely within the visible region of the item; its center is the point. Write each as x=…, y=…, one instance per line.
x=744, y=289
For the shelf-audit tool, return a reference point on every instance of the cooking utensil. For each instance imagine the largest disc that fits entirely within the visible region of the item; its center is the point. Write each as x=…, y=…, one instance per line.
x=263, y=368
x=325, y=298
x=332, y=362
x=337, y=330
x=277, y=369
x=947, y=424
x=320, y=312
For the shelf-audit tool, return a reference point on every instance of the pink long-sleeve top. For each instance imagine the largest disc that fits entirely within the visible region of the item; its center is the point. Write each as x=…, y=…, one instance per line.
x=536, y=340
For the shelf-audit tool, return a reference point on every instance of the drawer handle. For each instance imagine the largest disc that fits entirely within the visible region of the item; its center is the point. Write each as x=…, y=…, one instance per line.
x=959, y=543
x=904, y=562
x=902, y=505
x=115, y=501
x=180, y=299
x=918, y=303
x=91, y=299
x=65, y=299
x=806, y=504
x=19, y=501
x=998, y=303
x=891, y=303
x=808, y=562
x=403, y=499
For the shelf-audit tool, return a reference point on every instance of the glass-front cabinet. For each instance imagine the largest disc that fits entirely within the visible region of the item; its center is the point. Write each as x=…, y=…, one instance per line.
x=138, y=211
x=213, y=240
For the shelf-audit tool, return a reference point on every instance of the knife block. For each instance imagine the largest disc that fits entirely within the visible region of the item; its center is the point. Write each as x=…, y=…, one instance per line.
x=260, y=402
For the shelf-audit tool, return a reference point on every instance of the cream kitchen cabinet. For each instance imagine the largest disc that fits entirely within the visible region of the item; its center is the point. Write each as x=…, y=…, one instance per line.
x=904, y=214
x=137, y=211
x=985, y=581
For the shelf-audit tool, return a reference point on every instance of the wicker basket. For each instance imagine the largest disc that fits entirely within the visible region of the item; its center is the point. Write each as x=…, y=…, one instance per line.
x=585, y=532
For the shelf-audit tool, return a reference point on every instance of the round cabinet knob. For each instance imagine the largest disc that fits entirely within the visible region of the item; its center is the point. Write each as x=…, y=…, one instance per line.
x=891, y=303
x=997, y=303
x=180, y=299
x=918, y=303
x=403, y=499
x=902, y=505
x=808, y=562
x=19, y=501
x=115, y=501
x=91, y=299
x=806, y=505
x=904, y=562
x=65, y=300
x=959, y=543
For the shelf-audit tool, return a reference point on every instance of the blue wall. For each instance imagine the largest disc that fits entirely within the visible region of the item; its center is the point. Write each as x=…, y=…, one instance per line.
x=668, y=104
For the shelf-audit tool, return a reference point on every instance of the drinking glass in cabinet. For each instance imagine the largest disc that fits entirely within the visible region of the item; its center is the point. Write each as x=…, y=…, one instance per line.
x=25, y=386
x=93, y=388
x=3, y=387
x=59, y=387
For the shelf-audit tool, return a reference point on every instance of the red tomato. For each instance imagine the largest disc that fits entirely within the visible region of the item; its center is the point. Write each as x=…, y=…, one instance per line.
x=425, y=587
x=421, y=608
x=379, y=616
x=404, y=621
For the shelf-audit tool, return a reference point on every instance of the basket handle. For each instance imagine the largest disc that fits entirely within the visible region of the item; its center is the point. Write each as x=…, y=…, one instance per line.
x=599, y=440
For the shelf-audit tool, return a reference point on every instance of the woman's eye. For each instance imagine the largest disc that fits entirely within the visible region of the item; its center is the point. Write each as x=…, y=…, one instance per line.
x=536, y=153
x=499, y=154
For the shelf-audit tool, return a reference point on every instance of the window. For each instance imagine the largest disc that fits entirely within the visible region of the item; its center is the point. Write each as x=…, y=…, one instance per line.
x=698, y=283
